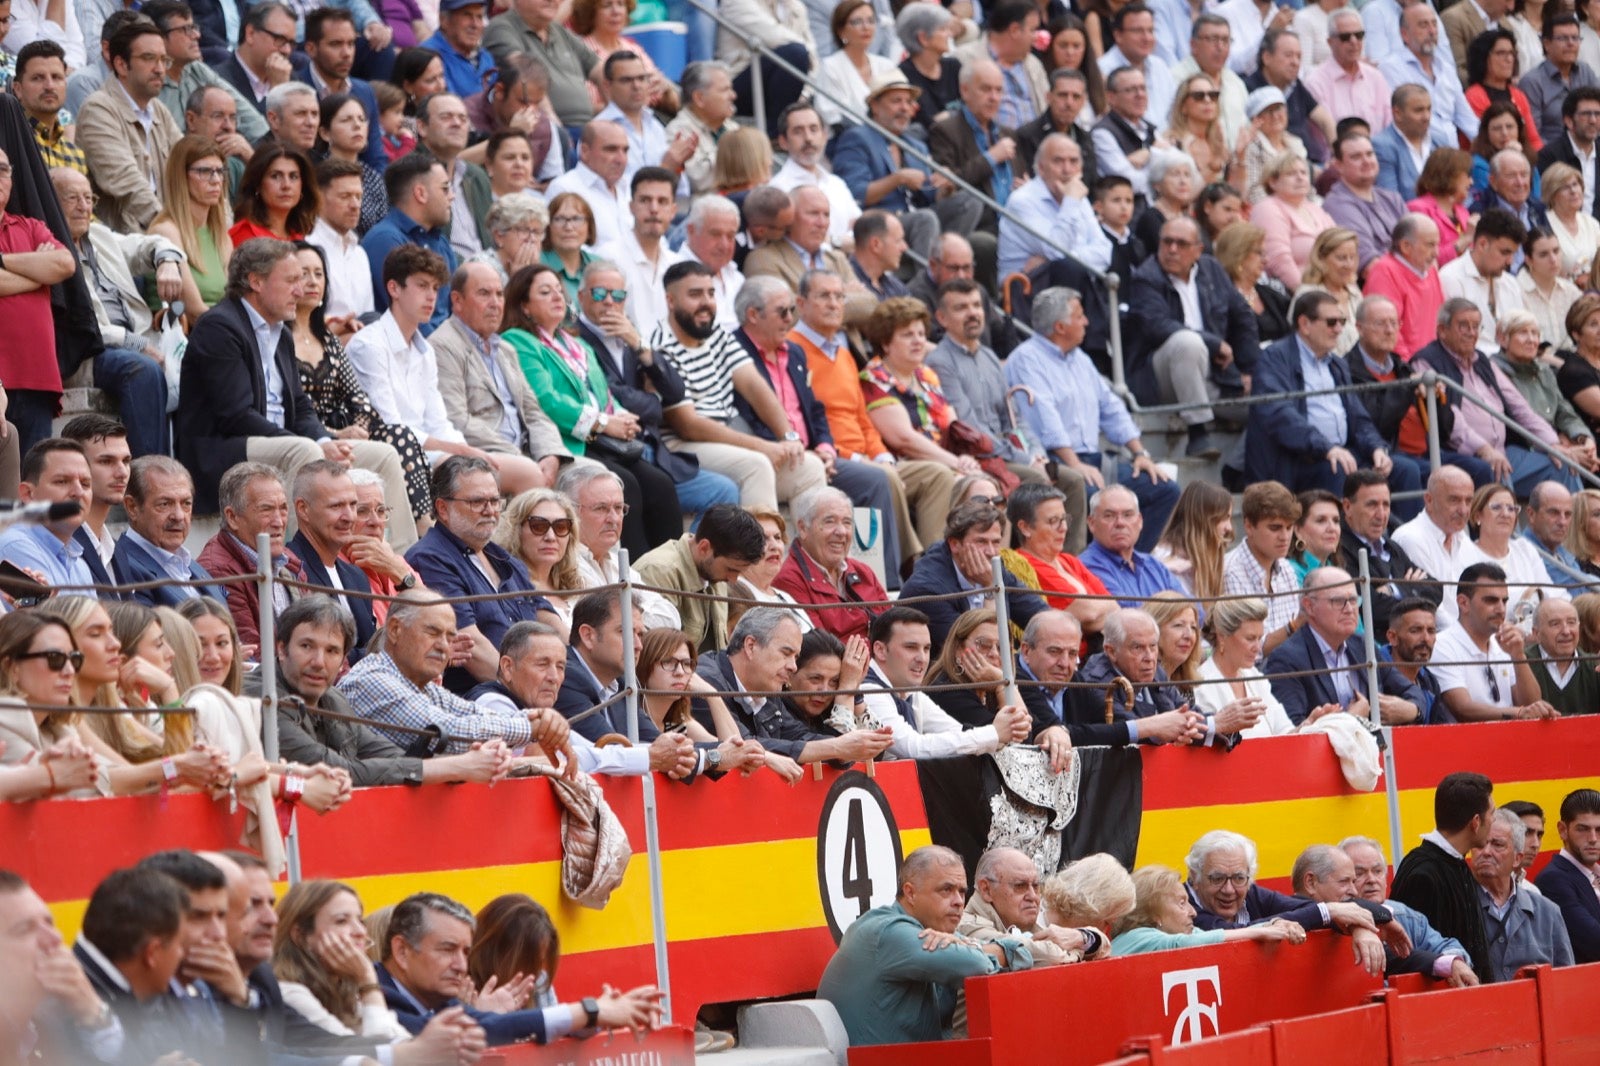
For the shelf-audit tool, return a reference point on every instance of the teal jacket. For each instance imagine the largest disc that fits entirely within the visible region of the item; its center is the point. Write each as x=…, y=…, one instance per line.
x=889, y=989
x=572, y=403
x=1148, y=938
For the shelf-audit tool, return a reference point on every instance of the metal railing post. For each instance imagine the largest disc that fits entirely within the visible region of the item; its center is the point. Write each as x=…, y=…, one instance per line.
x=1002, y=617
x=1374, y=693
x=1119, y=369
x=1557, y=458
x=652, y=836
x=758, y=91
x=1430, y=382
x=268, y=652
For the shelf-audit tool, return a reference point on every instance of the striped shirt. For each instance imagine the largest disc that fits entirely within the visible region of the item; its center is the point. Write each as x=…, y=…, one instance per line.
x=707, y=371
x=56, y=149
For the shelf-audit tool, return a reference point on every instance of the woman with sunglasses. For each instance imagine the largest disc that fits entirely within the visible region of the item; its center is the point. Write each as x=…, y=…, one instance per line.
x=1196, y=128
x=38, y=665
x=540, y=527
x=566, y=376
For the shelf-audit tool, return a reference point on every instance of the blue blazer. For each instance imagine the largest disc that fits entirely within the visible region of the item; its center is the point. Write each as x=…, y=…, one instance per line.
x=1280, y=440
x=1301, y=695
x=1155, y=312
x=936, y=573
x=579, y=692
x=499, y=1028
x=374, y=156
x=351, y=577
x=1564, y=885
x=132, y=563
x=861, y=157
x=816, y=415
x=1397, y=171
x=91, y=559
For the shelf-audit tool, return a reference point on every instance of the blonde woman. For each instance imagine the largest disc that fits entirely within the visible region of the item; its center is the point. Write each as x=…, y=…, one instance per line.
x=540, y=527
x=1196, y=128
x=1094, y=892
x=1333, y=267
x=197, y=219
x=744, y=160
x=1583, y=536
x=1244, y=704
x=1179, y=625
x=1576, y=229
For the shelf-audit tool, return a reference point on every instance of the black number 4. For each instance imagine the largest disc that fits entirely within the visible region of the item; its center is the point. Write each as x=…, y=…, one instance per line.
x=857, y=873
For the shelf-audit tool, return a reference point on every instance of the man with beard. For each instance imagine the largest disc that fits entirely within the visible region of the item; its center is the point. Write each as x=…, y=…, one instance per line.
x=714, y=365
x=803, y=136
x=1413, y=629
x=40, y=86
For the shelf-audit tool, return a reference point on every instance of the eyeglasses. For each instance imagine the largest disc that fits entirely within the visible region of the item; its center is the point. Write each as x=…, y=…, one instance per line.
x=1343, y=603
x=568, y=220
x=155, y=60
x=539, y=526
x=1205, y=95
x=209, y=173
x=608, y=508
x=378, y=510
x=55, y=660
x=482, y=504
x=600, y=295
x=1177, y=242
x=677, y=666
x=1238, y=880
x=785, y=312
x=861, y=23
x=1023, y=886
x=1215, y=38
x=188, y=29
x=1567, y=38
x=277, y=38
x=1504, y=508
x=88, y=199
x=1350, y=35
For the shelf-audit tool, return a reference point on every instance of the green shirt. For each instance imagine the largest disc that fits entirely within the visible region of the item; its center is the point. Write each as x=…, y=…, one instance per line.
x=889, y=989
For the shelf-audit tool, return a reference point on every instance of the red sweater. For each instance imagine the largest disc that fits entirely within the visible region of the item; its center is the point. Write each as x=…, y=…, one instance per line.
x=1418, y=300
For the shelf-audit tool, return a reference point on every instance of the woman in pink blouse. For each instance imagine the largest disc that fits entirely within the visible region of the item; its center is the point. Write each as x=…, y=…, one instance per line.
x=1442, y=190
x=1291, y=218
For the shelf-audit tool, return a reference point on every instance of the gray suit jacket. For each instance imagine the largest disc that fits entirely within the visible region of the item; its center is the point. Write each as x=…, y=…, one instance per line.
x=473, y=403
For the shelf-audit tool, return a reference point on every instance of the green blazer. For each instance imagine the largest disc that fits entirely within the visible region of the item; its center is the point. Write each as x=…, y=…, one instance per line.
x=572, y=403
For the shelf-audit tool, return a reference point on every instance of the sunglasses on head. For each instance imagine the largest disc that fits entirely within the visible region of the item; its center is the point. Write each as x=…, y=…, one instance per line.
x=540, y=526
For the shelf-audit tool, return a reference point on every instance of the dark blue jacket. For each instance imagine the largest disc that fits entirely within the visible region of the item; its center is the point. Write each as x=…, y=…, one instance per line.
x=1564, y=885
x=935, y=574
x=1259, y=905
x=374, y=156
x=444, y=564
x=1280, y=440
x=393, y=230
x=645, y=390
x=501, y=1029
x=861, y=157
x=1301, y=695
x=132, y=563
x=816, y=415
x=579, y=692
x=350, y=577
x=91, y=559
x=1155, y=312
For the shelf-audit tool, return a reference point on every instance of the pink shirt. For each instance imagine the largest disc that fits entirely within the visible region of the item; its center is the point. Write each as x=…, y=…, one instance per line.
x=1475, y=427
x=1364, y=94
x=1291, y=231
x=788, y=395
x=1417, y=298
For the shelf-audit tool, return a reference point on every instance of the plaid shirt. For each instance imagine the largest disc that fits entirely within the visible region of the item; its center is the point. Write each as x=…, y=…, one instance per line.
x=1242, y=575
x=378, y=691
x=56, y=149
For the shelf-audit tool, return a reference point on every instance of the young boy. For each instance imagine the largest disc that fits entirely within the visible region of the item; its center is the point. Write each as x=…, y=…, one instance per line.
x=1112, y=200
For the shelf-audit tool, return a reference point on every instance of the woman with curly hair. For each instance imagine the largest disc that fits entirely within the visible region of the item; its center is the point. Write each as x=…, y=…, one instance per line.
x=278, y=196
x=540, y=527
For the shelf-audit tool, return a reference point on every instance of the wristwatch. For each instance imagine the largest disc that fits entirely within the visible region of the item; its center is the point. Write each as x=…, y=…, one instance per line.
x=713, y=759
x=791, y=435
x=408, y=583
x=591, y=1008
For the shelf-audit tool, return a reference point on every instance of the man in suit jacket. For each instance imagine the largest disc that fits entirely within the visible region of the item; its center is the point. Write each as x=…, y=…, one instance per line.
x=160, y=504
x=1173, y=358
x=330, y=53
x=238, y=404
x=1580, y=119
x=968, y=140
x=1313, y=442
x=1464, y=22
x=126, y=161
x=267, y=33
x=1410, y=132
x=1570, y=880
x=765, y=307
x=1324, y=638
x=1157, y=712
x=876, y=171
x=485, y=392
x=325, y=508
x=962, y=562
x=1366, y=527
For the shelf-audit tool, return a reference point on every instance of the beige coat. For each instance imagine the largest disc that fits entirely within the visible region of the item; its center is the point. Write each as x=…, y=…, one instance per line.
x=122, y=161
x=473, y=404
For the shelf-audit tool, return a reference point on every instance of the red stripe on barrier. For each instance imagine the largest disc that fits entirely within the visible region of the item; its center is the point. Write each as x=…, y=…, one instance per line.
x=1506, y=751
x=1257, y=771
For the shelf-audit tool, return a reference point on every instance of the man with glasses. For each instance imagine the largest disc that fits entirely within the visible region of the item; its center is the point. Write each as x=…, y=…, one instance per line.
x=1331, y=607
x=458, y=557
x=1133, y=30
x=261, y=59
x=125, y=131
x=597, y=494
x=1221, y=885
x=1479, y=663
x=1552, y=83
x=212, y=112
x=1312, y=442
x=189, y=73
x=629, y=83
x=1573, y=140
x=1343, y=83
x=1007, y=900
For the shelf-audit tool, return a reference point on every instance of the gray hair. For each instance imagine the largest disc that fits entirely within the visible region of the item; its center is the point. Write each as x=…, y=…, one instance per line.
x=307, y=475
x=255, y=258
x=279, y=95
x=1358, y=841
x=1227, y=616
x=1114, y=630
x=810, y=277
x=146, y=465
x=1504, y=158
x=755, y=293
x=1165, y=161
x=915, y=20
x=1369, y=304
x=238, y=478
x=1406, y=229
x=1023, y=505
x=710, y=204
x=1343, y=12
x=317, y=610
x=971, y=68
x=600, y=266
x=1051, y=306
x=410, y=917
x=1034, y=631
x=697, y=76
x=361, y=477
x=1455, y=305
x=805, y=506
x=1318, y=859
x=448, y=474
x=1325, y=577
x=576, y=476
x=514, y=645
x=1517, y=827
x=1096, y=890
x=990, y=859
x=1094, y=501
x=516, y=209
x=926, y=858
x=404, y=608
x=196, y=104
x=760, y=624
x=1219, y=840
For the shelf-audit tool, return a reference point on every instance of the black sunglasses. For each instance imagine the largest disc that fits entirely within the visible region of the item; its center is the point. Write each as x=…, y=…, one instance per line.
x=55, y=660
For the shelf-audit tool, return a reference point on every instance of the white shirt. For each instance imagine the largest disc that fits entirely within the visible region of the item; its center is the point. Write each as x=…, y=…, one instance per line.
x=349, y=271
x=935, y=736
x=1460, y=277
x=1456, y=646
x=28, y=23
x=1521, y=564
x=402, y=380
x=1210, y=699
x=463, y=226
x=647, y=296
x=659, y=613
x=1247, y=28
x=267, y=335
x=842, y=206
x=1158, y=82
x=1424, y=545
x=727, y=283
x=1189, y=296
x=610, y=206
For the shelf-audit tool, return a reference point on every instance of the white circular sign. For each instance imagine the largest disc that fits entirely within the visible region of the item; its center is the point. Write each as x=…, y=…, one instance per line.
x=858, y=851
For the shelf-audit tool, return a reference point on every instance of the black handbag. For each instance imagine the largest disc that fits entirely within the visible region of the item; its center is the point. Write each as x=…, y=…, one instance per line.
x=625, y=452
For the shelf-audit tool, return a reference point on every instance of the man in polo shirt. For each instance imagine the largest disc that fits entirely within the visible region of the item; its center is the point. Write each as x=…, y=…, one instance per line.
x=1499, y=685
x=600, y=178
x=40, y=86
x=53, y=471
x=420, y=198
x=1115, y=525
x=714, y=366
x=532, y=26
x=459, y=43
x=1345, y=84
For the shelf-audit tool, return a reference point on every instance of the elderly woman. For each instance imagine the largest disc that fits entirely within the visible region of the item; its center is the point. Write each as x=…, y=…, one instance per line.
x=1546, y=293
x=540, y=527
x=517, y=223
x=1175, y=182
x=754, y=587
x=1162, y=919
x=1240, y=250
x=1520, y=342
x=1038, y=515
x=1094, y=892
x=1442, y=191
x=924, y=30
x=848, y=73
x=568, y=239
x=1291, y=218
x=1245, y=704
x=1333, y=267
x=1268, y=112
x=1579, y=374
x=1575, y=228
